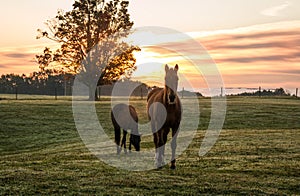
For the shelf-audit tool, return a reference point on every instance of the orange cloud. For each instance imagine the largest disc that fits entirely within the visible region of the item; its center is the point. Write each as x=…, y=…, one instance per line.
x=20, y=60
x=262, y=55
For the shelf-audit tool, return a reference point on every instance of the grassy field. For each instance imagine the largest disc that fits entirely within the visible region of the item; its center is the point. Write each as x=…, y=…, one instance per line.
x=258, y=152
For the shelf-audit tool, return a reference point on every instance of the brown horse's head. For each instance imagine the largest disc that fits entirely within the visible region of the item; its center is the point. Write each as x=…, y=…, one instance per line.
x=135, y=140
x=171, y=84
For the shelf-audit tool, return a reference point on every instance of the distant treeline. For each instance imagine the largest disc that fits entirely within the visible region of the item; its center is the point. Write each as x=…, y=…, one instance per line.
x=60, y=84
x=36, y=84
x=276, y=92
x=51, y=83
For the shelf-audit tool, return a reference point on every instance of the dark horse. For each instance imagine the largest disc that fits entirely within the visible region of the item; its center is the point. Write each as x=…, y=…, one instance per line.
x=170, y=117
x=125, y=117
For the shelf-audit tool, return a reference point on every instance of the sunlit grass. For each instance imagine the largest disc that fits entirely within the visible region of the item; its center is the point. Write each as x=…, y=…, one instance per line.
x=256, y=153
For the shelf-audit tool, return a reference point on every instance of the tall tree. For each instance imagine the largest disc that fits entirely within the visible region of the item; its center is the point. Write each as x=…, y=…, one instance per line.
x=90, y=38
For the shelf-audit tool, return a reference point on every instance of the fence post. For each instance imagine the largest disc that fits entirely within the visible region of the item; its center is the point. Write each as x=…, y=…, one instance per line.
x=296, y=92
x=259, y=91
x=65, y=87
x=221, y=92
x=182, y=92
x=55, y=92
x=16, y=92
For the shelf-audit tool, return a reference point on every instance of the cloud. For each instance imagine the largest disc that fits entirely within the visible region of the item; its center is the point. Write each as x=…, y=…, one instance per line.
x=258, y=46
x=268, y=34
x=293, y=71
x=275, y=11
x=263, y=58
x=265, y=80
x=279, y=44
x=3, y=66
x=17, y=60
x=268, y=44
x=279, y=39
x=14, y=56
x=17, y=55
x=260, y=55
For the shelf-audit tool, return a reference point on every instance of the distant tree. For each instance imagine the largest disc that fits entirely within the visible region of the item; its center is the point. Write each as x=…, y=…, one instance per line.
x=90, y=42
x=280, y=92
x=199, y=94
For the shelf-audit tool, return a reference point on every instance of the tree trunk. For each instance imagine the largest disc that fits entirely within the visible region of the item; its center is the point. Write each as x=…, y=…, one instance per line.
x=93, y=93
x=96, y=95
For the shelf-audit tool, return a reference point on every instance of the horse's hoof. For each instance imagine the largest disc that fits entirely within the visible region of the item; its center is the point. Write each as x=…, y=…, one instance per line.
x=173, y=167
x=159, y=165
x=159, y=168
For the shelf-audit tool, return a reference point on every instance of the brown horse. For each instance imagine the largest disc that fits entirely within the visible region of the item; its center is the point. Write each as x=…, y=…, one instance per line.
x=125, y=117
x=165, y=113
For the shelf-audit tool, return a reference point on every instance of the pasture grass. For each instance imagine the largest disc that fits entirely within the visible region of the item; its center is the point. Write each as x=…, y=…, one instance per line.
x=256, y=153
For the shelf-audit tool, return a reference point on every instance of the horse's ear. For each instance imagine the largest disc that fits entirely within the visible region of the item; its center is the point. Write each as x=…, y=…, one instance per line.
x=176, y=67
x=166, y=67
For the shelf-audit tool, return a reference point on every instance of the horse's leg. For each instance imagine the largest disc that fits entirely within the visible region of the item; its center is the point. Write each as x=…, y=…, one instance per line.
x=155, y=139
x=160, y=150
x=130, y=143
x=164, y=136
x=124, y=140
x=174, y=145
x=118, y=138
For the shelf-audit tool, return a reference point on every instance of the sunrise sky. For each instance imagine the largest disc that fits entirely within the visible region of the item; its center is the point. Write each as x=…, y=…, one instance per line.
x=253, y=43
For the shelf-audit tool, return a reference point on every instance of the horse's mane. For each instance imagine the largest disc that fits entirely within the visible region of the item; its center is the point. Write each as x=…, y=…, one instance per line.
x=154, y=91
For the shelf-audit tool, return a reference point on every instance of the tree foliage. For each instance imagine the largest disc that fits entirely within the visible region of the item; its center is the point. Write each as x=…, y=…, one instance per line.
x=36, y=83
x=90, y=41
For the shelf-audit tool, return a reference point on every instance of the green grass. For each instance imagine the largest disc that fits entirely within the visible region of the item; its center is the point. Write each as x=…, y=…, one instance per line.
x=258, y=152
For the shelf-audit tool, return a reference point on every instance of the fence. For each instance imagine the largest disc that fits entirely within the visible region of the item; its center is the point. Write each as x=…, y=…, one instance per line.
x=142, y=91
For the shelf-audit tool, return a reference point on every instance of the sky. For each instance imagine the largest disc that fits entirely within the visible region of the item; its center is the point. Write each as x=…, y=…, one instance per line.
x=251, y=43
